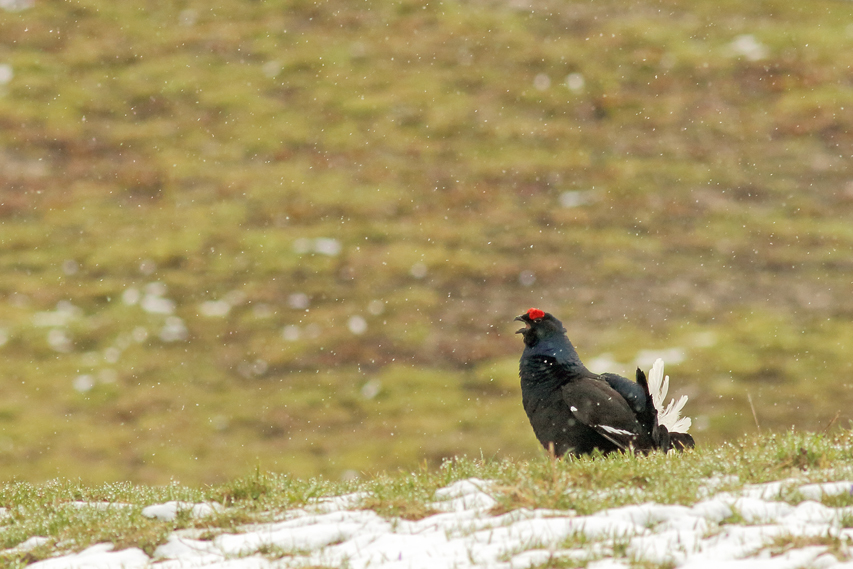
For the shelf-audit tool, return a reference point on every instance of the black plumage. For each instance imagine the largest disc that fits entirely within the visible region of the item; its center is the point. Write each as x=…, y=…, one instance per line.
x=573, y=410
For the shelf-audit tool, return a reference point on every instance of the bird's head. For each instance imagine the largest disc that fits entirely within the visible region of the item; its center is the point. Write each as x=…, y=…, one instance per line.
x=539, y=325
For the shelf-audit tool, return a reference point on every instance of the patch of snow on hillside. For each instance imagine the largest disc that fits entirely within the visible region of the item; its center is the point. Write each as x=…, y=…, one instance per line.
x=741, y=529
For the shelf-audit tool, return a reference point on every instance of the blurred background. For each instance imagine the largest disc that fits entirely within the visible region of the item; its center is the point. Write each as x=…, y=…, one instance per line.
x=293, y=235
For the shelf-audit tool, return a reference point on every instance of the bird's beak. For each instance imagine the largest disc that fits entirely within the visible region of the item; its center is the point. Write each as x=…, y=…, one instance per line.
x=526, y=324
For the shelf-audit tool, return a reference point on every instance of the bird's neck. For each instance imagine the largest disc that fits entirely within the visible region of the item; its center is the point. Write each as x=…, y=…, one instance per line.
x=561, y=349
x=550, y=364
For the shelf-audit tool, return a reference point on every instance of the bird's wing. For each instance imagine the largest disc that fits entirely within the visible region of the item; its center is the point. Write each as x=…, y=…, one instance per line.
x=631, y=391
x=594, y=403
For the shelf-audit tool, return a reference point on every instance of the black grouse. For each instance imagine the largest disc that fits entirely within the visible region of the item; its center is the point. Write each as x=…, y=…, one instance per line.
x=573, y=410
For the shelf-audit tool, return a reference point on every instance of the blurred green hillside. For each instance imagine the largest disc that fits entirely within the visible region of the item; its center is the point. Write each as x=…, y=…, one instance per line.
x=294, y=234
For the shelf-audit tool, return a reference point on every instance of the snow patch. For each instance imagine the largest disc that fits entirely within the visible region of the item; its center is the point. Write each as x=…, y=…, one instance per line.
x=170, y=510
x=732, y=529
x=100, y=556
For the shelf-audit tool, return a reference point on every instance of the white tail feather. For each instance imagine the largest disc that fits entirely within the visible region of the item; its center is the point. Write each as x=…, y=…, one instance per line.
x=669, y=417
x=657, y=387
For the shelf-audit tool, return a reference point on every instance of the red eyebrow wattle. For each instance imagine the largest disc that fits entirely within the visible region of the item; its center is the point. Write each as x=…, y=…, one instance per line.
x=535, y=313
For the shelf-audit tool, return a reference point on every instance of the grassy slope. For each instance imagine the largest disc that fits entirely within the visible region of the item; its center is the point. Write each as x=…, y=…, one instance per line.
x=194, y=146
x=585, y=486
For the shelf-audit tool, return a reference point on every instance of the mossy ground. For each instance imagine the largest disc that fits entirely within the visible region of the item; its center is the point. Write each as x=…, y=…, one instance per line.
x=664, y=174
x=67, y=513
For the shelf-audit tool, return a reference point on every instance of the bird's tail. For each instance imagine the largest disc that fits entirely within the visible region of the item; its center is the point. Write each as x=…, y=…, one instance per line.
x=669, y=416
x=681, y=441
x=649, y=417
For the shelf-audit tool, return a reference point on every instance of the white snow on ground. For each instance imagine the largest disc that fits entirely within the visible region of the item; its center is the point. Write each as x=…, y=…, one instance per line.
x=169, y=511
x=748, y=529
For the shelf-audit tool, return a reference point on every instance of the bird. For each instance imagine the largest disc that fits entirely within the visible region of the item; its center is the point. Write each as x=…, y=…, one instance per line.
x=575, y=411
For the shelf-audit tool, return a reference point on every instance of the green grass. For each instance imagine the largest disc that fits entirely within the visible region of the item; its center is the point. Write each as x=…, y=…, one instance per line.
x=199, y=146
x=585, y=486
